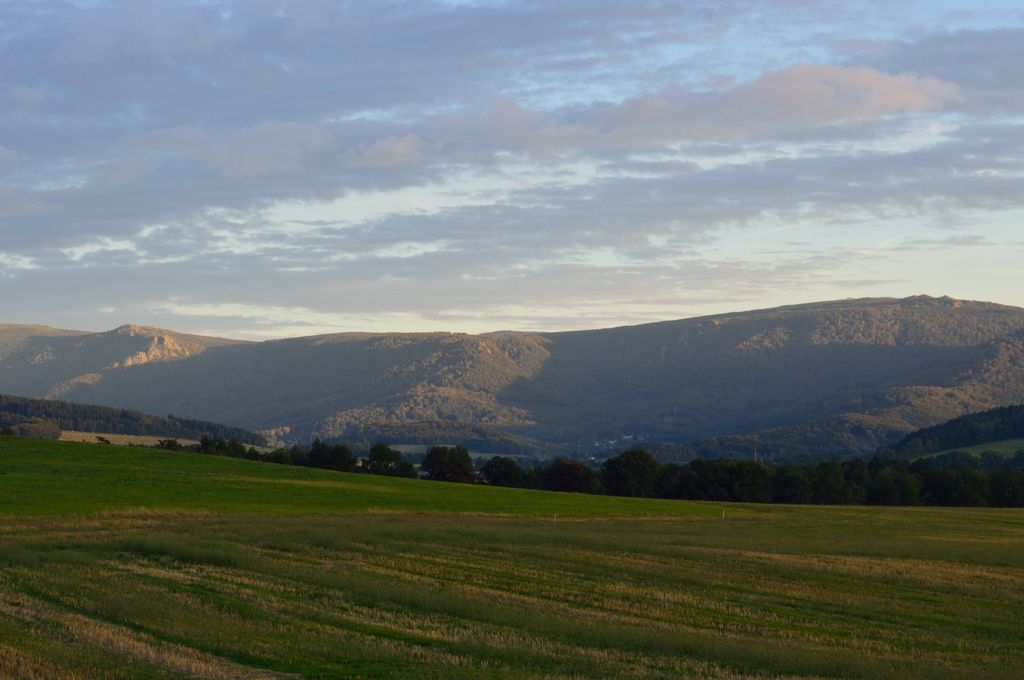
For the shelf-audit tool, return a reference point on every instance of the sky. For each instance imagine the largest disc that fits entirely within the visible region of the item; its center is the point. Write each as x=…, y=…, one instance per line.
x=271, y=168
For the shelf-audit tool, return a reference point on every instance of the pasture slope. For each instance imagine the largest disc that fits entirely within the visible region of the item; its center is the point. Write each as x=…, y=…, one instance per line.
x=123, y=563
x=1007, y=449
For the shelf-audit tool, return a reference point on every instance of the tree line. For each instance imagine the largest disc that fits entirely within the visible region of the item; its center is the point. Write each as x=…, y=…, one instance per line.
x=44, y=419
x=954, y=479
x=996, y=424
x=441, y=463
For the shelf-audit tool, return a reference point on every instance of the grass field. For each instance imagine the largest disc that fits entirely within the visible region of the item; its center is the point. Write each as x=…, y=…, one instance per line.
x=134, y=439
x=123, y=563
x=118, y=439
x=1006, y=448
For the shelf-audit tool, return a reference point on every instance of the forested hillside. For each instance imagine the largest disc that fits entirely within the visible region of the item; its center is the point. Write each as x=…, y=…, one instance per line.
x=46, y=419
x=970, y=430
x=819, y=380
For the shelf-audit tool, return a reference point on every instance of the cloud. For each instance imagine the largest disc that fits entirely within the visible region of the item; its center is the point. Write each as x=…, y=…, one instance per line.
x=267, y=148
x=387, y=152
x=7, y=155
x=492, y=164
x=982, y=64
x=958, y=241
x=795, y=98
x=19, y=203
x=11, y=264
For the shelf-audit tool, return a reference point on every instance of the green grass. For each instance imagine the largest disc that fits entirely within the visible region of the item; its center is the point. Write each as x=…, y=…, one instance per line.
x=1006, y=448
x=119, y=439
x=61, y=478
x=119, y=563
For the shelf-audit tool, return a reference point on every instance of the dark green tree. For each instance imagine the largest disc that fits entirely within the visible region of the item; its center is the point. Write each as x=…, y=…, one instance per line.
x=857, y=479
x=564, y=474
x=533, y=477
x=1007, y=487
x=404, y=468
x=792, y=484
x=990, y=460
x=1017, y=462
x=829, y=484
x=336, y=457
x=974, y=489
x=710, y=481
x=753, y=482
x=449, y=464
x=669, y=480
x=631, y=473
x=383, y=460
x=298, y=455
x=236, y=449
x=281, y=456
x=502, y=471
x=894, y=484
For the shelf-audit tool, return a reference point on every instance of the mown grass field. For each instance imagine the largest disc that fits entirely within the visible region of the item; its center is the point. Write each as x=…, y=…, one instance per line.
x=122, y=563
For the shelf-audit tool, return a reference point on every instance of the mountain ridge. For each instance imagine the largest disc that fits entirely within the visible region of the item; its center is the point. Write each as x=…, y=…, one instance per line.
x=837, y=377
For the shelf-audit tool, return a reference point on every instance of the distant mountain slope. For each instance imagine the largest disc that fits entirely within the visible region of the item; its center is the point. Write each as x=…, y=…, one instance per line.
x=39, y=415
x=974, y=429
x=839, y=376
x=823, y=379
x=16, y=338
x=37, y=361
x=326, y=385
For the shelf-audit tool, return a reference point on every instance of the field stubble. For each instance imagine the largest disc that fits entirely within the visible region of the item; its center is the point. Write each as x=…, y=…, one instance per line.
x=169, y=592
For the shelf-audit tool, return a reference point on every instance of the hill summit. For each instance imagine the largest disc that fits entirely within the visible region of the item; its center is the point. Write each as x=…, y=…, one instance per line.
x=830, y=378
